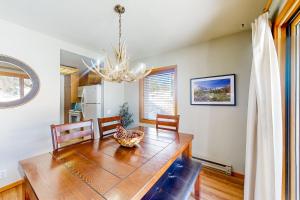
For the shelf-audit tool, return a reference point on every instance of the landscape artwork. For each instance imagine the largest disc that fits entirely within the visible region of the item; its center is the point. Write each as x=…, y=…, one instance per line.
x=214, y=90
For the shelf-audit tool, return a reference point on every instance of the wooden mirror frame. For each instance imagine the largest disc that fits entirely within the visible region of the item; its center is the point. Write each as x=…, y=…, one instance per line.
x=33, y=76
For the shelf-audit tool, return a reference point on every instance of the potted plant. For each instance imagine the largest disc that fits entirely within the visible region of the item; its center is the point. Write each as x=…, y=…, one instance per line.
x=126, y=116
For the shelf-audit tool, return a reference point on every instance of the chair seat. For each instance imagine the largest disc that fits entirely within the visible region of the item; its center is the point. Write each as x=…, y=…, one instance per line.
x=177, y=182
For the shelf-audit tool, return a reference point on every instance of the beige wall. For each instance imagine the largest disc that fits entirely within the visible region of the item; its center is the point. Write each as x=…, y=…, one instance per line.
x=219, y=131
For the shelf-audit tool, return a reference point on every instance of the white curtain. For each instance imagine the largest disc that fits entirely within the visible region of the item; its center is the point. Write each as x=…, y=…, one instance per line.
x=263, y=173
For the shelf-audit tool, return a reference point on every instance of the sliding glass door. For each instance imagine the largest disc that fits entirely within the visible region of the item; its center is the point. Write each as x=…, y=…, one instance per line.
x=293, y=104
x=296, y=27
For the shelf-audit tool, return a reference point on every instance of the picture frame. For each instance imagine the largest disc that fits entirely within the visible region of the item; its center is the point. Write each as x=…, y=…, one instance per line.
x=213, y=90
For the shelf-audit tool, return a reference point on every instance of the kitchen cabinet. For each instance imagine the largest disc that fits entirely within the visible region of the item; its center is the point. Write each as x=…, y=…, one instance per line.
x=71, y=84
x=74, y=78
x=89, y=78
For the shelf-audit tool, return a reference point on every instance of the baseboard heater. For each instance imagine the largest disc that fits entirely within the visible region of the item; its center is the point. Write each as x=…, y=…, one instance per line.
x=226, y=169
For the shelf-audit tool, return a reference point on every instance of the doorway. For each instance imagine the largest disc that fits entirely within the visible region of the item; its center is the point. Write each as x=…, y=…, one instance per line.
x=75, y=80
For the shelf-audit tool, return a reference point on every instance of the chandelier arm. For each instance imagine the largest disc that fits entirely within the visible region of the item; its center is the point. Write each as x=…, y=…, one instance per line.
x=89, y=67
x=109, y=63
x=104, y=76
x=124, y=52
x=142, y=75
x=147, y=73
x=95, y=71
x=93, y=64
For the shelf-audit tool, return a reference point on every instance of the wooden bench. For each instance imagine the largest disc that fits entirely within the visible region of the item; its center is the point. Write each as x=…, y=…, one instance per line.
x=177, y=182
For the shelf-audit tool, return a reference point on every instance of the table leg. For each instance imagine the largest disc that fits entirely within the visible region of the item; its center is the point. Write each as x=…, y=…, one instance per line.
x=188, y=151
x=197, y=188
x=29, y=193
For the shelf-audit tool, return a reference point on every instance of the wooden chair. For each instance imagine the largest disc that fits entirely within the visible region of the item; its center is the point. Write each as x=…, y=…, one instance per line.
x=108, y=125
x=167, y=122
x=60, y=135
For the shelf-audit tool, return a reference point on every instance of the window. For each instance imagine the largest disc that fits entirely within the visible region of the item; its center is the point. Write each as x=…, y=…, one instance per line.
x=293, y=57
x=14, y=86
x=158, y=94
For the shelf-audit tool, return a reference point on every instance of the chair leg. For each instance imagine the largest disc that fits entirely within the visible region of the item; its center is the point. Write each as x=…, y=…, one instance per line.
x=197, y=188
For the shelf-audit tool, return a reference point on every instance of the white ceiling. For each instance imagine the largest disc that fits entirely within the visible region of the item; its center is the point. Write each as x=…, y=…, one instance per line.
x=150, y=26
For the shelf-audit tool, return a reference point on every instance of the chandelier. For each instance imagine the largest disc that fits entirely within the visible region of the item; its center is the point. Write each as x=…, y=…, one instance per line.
x=119, y=70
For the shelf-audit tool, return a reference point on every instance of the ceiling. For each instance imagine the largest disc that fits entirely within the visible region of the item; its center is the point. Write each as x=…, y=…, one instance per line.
x=149, y=26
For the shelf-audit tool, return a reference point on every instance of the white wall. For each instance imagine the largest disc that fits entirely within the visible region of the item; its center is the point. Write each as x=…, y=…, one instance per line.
x=219, y=131
x=25, y=129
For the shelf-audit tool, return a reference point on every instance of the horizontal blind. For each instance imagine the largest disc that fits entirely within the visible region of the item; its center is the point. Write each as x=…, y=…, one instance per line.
x=159, y=94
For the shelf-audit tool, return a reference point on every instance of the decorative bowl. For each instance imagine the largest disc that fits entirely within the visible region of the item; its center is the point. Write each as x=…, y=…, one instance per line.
x=128, y=138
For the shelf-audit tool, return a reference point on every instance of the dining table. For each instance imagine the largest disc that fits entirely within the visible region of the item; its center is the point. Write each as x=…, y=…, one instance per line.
x=102, y=168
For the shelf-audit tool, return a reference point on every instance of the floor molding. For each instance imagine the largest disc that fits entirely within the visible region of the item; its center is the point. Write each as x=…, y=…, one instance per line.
x=238, y=175
x=233, y=174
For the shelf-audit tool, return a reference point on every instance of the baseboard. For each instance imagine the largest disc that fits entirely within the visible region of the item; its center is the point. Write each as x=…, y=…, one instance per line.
x=11, y=185
x=224, y=168
x=238, y=175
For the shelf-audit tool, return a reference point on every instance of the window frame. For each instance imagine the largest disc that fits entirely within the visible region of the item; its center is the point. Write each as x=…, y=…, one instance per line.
x=156, y=70
x=21, y=78
x=285, y=56
x=295, y=28
x=292, y=106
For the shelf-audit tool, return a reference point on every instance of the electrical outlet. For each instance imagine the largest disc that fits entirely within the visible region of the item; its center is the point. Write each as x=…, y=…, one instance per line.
x=3, y=173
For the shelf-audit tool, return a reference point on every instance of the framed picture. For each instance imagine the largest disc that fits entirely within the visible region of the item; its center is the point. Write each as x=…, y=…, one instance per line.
x=213, y=90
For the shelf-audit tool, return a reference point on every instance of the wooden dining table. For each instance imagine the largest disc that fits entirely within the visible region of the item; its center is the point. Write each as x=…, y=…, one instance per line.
x=102, y=169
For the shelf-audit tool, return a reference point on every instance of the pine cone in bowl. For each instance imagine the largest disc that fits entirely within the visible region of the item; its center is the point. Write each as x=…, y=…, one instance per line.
x=128, y=138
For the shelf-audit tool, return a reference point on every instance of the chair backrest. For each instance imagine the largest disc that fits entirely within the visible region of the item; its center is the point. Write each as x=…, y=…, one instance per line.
x=108, y=125
x=64, y=133
x=167, y=122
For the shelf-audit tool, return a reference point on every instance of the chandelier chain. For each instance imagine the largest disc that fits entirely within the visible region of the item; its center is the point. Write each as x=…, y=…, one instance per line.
x=120, y=30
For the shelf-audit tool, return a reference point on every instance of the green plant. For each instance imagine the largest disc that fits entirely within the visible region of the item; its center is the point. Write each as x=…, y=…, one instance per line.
x=125, y=115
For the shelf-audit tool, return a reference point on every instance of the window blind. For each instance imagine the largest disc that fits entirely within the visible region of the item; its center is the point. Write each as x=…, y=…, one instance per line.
x=159, y=94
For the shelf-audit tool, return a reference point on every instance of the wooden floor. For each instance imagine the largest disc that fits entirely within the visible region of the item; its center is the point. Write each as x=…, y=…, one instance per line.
x=218, y=186
x=214, y=186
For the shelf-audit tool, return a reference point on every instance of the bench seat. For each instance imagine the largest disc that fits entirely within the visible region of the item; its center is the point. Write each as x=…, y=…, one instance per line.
x=177, y=182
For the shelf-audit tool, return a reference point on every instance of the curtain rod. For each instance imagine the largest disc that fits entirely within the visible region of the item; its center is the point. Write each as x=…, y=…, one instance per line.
x=267, y=6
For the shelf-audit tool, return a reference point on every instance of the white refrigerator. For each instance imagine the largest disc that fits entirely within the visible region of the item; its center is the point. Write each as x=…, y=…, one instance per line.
x=91, y=104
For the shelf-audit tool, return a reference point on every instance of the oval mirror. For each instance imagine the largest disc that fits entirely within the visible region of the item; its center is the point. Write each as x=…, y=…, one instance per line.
x=18, y=82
